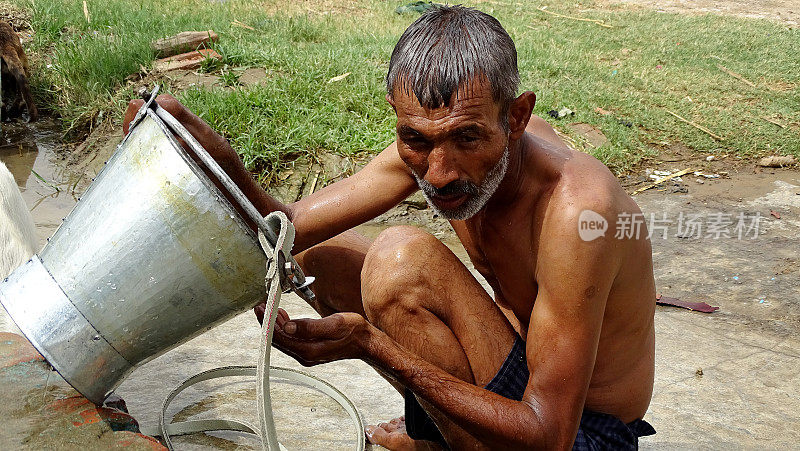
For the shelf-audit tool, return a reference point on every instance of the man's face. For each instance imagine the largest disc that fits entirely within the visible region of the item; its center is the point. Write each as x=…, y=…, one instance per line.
x=458, y=154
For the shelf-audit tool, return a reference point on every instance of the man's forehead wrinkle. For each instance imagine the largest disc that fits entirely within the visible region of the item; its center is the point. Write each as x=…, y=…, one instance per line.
x=475, y=90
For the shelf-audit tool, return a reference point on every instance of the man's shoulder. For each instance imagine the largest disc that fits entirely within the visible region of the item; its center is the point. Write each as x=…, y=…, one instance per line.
x=585, y=184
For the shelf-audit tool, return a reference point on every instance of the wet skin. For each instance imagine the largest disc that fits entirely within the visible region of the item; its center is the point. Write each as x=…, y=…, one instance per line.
x=408, y=306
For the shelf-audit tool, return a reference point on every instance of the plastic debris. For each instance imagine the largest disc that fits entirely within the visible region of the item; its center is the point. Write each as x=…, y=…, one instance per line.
x=776, y=214
x=708, y=176
x=694, y=306
x=710, y=158
x=661, y=180
x=415, y=7
x=562, y=113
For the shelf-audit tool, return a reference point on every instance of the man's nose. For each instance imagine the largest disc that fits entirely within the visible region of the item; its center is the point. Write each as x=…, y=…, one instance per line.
x=441, y=169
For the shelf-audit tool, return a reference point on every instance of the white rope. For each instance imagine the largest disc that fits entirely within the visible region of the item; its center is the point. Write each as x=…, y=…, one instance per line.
x=279, y=264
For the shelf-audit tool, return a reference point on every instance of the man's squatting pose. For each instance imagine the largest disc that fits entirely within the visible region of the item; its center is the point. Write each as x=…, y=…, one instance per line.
x=563, y=355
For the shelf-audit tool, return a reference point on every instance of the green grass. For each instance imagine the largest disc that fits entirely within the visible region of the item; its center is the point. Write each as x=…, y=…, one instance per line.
x=646, y=64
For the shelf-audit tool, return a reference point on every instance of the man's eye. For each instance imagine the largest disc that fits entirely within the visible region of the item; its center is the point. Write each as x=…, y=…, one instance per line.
x=467, y=139
x=415, y=141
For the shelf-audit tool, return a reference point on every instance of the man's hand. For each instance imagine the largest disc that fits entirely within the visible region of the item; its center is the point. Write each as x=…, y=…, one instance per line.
x=313, y=341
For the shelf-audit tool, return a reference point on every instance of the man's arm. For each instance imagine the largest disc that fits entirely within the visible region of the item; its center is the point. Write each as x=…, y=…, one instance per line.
x=383, y=183
x=574, y=281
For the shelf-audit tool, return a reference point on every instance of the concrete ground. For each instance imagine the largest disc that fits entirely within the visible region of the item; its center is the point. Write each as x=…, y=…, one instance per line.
x=41, y=411
x=724, y=379
x=727, y=379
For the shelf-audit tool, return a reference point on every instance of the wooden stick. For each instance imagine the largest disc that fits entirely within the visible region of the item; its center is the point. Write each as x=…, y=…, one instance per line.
x=243, y=25
x=736, y=76
x=86, y=11
x=697, y=126
x=771, y=121
x=662, y=180
x=314, y=183
x=594, y=21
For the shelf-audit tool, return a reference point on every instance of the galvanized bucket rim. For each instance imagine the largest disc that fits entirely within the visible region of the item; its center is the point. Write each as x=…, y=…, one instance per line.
x=157, y=114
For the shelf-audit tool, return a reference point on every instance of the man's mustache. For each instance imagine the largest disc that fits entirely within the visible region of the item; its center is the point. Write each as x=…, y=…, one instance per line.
x=454, y=188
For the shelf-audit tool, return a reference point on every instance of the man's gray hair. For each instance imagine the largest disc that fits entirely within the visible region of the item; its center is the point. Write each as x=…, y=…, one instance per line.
x=448, y=46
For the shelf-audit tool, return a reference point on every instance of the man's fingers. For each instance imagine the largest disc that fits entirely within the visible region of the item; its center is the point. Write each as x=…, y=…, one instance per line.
x=130, y=113
x=259, y=311
x=283, y=315
x=376, y=434
x=309, y=329
x=281, y=319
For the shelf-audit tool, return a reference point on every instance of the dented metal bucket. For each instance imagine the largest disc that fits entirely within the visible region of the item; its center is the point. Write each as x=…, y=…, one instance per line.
x=152, y=255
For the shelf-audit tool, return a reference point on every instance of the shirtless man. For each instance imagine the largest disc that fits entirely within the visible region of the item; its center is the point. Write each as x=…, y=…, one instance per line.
x=563, y=355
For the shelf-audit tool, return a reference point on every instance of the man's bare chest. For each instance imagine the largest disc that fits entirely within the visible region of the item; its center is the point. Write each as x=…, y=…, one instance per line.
x=508, y=263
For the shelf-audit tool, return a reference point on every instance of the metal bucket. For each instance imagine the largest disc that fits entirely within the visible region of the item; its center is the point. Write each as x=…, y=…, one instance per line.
x=152, y=255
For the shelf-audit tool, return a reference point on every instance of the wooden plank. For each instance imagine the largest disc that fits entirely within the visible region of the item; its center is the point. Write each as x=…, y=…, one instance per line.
x=183, y=42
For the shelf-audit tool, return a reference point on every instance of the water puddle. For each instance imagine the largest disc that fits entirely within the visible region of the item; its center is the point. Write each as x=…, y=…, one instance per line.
x=50, y=189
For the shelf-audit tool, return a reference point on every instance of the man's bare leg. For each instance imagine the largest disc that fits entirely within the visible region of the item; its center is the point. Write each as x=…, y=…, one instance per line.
x=336, y=265
x=418, y=292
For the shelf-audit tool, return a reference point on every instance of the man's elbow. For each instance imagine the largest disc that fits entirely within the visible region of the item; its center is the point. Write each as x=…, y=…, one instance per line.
x=540, y=430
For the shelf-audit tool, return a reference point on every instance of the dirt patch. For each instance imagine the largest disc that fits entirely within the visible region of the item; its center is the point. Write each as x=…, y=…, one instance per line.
x=89, y=156
x=787, y=11
x=253, y=76
x=187, y=79
x=19, y=18
x=181, y=80
x=591, y=134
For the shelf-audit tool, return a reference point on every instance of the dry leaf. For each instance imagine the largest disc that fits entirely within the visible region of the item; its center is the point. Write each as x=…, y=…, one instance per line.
x=339, y=77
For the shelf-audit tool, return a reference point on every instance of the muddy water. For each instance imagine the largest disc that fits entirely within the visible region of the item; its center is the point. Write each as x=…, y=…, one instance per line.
x=50, y=189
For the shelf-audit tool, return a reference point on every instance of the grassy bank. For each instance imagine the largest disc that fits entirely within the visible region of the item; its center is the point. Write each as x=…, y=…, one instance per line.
x=645, y=64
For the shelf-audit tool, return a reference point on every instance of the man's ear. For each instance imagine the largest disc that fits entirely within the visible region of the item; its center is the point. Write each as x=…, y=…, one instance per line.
x=391, y=101
x=520, y=113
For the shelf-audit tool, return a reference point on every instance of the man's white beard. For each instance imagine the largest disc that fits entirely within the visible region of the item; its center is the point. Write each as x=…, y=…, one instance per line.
x=474, y=202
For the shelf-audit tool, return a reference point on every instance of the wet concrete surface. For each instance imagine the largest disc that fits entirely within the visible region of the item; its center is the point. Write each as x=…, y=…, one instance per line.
x=727, y=379
x=41, y=411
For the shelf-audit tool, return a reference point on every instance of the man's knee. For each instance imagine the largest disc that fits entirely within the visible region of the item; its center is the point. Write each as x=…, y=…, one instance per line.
x=399, y=248
x=394, y=270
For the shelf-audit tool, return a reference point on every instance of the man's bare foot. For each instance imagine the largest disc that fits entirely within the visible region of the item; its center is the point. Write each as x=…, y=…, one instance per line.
x=393, y=436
